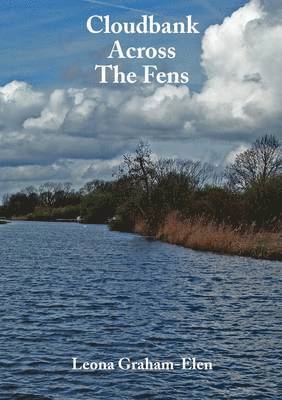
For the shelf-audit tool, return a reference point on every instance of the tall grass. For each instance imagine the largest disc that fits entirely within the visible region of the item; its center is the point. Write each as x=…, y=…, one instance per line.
x=202, y=234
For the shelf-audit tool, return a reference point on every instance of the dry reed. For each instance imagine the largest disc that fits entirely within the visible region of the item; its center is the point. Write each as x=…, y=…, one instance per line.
x=201, y=234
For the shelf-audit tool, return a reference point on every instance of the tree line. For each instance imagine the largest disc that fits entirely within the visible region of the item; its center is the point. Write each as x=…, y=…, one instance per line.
x=249, y=191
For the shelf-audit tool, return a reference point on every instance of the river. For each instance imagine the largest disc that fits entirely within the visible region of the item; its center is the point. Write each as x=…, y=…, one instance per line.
x=71, y=290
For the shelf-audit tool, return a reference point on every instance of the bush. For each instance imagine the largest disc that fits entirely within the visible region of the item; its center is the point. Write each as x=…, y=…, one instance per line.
x=123, y=221
x=51, y=214
x=98, y=207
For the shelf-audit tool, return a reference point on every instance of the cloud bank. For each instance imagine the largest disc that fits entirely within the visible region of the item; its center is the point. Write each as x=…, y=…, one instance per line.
x=73, y=133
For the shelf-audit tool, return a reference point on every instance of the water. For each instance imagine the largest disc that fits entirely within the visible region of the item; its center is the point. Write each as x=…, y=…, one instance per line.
x=69, y=290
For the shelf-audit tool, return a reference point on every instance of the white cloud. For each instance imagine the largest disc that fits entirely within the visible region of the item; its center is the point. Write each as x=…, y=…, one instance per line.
x=53, y=115
x=17, y=101
x=13, y=179
x=242, y=93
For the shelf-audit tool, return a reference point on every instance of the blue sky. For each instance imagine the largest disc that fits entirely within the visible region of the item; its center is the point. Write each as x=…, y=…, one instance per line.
x=45, y=42
x=57, y=124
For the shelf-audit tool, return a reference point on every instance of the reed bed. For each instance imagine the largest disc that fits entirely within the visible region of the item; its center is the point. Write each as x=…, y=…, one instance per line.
x=205, y=235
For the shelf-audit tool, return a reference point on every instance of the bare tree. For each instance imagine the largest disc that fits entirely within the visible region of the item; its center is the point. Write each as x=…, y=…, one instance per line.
x=29, y=190
x=139, y=167
x=194, y=173
x=54, y=194
x=257, y=164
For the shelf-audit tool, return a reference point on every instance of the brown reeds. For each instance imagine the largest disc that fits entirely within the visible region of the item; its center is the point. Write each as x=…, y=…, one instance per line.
x=202, y=234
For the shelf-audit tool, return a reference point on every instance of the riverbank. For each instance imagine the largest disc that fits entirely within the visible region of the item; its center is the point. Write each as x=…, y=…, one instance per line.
x=219, y=238
x=42, y=219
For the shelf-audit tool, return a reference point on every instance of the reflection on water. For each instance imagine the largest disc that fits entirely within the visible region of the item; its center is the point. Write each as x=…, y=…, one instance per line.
x=69, y=290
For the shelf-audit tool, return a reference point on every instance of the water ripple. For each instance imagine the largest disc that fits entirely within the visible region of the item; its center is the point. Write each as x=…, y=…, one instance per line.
x=73, y=291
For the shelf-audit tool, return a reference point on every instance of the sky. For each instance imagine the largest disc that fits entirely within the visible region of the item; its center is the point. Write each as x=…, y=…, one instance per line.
x=46, y=43
x=57, y=123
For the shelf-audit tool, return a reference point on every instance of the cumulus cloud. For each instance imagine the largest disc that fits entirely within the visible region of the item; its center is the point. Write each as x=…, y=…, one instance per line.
x=240, y=99
x=242, y=94
x=53, y=114
x=17, y=101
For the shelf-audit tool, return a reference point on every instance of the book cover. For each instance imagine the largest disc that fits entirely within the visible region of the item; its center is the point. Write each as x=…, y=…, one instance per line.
x=141, y=193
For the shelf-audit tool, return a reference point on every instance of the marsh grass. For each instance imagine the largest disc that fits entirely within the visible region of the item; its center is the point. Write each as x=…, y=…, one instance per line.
x=202, y=234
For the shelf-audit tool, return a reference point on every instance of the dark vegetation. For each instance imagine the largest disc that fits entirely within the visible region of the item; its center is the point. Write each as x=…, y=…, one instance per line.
x=146, y=193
